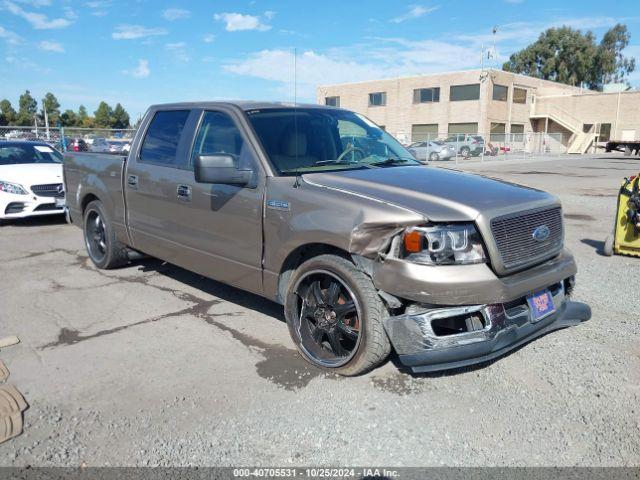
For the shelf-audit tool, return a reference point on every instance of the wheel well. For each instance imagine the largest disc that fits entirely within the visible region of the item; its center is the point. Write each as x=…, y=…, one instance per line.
x=300, y=255
x=86, y=200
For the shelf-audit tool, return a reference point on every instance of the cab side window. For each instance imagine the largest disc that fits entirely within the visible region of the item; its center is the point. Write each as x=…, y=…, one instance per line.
x=218, y=135
x=160, y=145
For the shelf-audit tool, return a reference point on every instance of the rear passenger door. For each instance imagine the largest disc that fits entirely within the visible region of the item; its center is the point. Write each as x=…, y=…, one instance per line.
x=160, y=163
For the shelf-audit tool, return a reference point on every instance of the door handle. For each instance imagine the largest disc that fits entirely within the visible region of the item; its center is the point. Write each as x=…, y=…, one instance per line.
x=184, y=192
x=132, y=180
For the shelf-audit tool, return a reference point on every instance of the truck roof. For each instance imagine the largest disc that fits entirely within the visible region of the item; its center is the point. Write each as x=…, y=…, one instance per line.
x=243, y=104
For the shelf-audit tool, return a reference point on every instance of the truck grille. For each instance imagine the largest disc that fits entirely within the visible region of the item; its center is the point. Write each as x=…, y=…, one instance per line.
x=515, y=240
x=48, y=190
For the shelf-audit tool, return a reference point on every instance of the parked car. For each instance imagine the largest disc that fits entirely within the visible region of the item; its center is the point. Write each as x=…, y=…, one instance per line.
x=466, y=144
x=432, y=150
x=366, y=248
x=99, y=145
x=77, y=145
x=30, y=180
x=117, y=146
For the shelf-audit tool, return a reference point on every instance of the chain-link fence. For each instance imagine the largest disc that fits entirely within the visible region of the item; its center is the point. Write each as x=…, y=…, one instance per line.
x=64, y=138
x=434, y=146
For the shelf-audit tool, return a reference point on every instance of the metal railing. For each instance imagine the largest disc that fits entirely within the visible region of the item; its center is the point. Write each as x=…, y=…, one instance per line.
x=54, y=136
x=561, y=115
x=499, y=145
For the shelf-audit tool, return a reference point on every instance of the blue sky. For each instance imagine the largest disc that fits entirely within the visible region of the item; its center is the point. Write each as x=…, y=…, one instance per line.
x=140, y=52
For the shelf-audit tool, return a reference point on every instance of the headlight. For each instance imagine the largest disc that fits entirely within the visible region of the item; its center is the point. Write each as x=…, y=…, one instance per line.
x=13, y=188
x=455, y=244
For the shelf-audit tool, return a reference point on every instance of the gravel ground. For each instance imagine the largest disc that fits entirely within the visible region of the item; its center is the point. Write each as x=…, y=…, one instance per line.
x=153, y=365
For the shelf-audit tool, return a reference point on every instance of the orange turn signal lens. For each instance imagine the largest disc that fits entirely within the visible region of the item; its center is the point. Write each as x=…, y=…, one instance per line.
x=413, y=241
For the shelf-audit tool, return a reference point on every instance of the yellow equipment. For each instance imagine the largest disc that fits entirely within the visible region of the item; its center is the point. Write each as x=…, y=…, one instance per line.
x=626, y=234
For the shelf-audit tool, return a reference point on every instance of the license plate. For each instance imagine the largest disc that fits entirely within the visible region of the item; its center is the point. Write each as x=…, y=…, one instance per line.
x=60, y=202
x=541, y=305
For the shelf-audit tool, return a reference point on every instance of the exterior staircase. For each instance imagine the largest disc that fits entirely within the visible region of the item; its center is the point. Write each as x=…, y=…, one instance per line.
x=580, y=141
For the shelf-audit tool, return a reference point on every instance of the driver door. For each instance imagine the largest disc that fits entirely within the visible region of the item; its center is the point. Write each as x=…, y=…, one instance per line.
x=221, y=225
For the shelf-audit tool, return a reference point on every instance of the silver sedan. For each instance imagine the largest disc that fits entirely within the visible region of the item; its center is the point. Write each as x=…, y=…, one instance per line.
x=432, y=150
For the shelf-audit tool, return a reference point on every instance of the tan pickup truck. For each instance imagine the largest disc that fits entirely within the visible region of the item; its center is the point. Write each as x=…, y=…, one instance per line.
x=320, y=210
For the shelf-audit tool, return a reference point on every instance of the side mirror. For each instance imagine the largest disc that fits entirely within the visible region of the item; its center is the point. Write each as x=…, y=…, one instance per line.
x=220, y=168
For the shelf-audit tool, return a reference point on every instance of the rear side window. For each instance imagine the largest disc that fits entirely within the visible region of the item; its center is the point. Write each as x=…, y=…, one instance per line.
x=160, y=144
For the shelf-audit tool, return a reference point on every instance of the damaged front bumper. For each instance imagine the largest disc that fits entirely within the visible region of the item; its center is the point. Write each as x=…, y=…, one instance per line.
x=429, y=338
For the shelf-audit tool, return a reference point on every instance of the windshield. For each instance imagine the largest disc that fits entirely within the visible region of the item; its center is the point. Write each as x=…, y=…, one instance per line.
x=16, y=153
x=304, y=140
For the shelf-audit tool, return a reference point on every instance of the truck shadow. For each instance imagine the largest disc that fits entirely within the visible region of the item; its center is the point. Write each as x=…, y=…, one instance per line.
x=281, y=365
x=212, y=287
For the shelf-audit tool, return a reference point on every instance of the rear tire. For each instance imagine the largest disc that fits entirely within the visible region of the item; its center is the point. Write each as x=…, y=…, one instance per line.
x=434, y=157
x=465, y=151
x=324, y=335
x=608, y=246
x=104, y=250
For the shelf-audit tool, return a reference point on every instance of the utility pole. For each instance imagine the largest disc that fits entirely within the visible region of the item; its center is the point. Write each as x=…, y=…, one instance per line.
x=46, y=118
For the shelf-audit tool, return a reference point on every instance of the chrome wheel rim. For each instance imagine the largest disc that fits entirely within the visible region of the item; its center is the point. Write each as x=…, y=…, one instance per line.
x=95, y=236
x=328, y=320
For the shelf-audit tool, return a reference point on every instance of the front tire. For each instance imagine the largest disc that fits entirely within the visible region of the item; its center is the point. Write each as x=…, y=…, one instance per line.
x=335, y=314
x=434, y=157
x=104, y=250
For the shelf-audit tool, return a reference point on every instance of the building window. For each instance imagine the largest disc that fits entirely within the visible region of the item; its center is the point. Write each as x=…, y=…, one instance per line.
x=422, y=132
x=605, y=132
x=519, y=95
x=426, y=95
x=463, y=128
x=500, y=93
x=459, y=93
x=497, y=132
x=377, y=99
x=517, y=128
x=332, y=101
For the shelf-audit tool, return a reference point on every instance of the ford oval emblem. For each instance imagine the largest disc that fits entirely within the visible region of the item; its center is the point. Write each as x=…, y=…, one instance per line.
x=541, y=233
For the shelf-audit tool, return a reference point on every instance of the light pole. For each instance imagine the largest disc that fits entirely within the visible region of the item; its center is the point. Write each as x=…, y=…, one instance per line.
x=46, y=118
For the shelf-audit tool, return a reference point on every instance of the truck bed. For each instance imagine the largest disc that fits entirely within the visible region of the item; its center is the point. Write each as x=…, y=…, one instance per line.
x=96, y=174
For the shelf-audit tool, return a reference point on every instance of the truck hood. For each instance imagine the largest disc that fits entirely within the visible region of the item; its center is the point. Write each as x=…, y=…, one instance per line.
x=438, y=194
x=27, y=174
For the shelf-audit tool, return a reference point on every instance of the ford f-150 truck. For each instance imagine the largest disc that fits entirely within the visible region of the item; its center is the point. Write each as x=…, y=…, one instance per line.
x=319, y=209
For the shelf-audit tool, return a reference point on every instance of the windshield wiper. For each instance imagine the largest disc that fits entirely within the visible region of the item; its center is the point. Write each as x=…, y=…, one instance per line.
x=390, y=161
x=332, y=162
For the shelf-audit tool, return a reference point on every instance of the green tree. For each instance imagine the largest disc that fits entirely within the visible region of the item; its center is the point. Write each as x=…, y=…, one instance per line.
x=120, y=117
x=69, y=118
x=138, y=123
x=611, y=65
x=103, y=116
x=7, y=113
x=52, y=106
x=569, y=56
x=82, y=114
x=27, y=109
